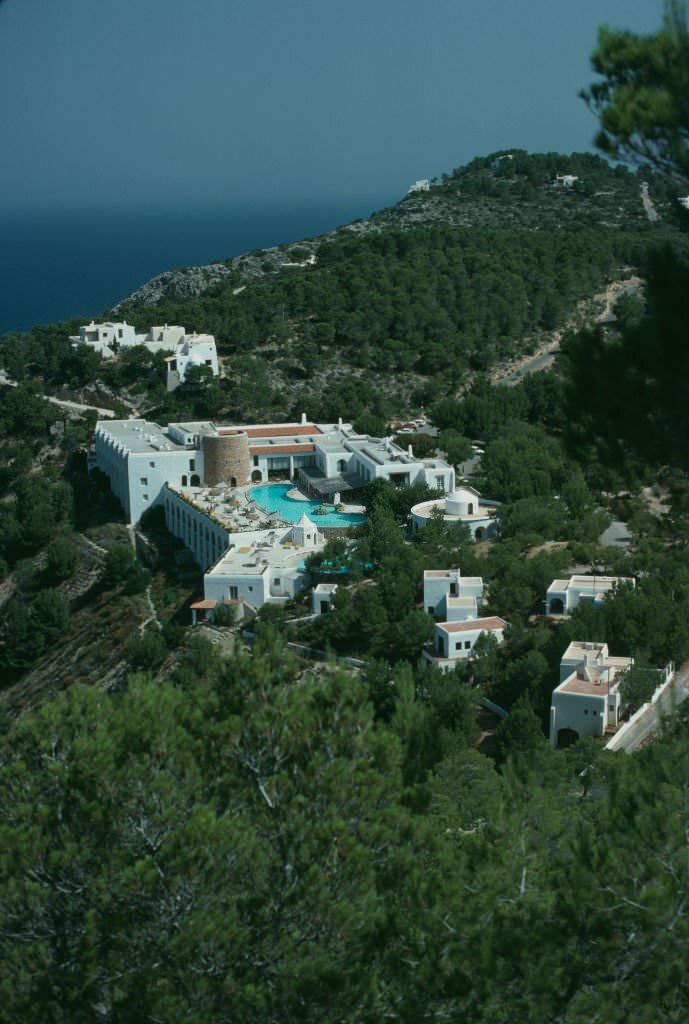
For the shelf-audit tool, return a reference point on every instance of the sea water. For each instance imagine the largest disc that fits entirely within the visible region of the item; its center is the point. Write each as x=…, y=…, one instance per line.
x=56, y=264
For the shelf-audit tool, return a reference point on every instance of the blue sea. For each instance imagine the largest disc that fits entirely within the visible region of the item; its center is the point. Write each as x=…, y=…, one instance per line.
x=63, y=263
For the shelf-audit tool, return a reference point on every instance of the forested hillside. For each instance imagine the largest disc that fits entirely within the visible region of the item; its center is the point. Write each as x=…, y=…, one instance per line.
x=403, y=306
x=198, y=825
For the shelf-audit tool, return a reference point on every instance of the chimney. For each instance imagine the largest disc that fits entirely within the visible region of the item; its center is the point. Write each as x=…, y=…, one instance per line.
x=410, y=453
x=339, y=422
x=303, y=418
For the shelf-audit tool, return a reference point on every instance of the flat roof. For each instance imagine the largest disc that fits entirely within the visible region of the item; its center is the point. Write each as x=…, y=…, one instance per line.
x=444, y=574
x=598, y=686
x=257, y=558
x=425, y=508
x=593, y=582
x=139, y=436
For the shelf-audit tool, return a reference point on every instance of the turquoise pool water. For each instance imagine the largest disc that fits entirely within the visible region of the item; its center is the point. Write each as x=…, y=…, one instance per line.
x=273, y=498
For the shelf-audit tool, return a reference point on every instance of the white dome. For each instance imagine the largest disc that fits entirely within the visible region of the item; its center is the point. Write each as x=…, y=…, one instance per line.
x=461, y=502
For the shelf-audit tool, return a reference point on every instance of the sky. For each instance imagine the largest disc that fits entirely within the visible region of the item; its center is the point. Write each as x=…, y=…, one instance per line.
x=122, y=103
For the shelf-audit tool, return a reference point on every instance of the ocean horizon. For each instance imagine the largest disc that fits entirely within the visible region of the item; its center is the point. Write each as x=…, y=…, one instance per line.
x=61, y=263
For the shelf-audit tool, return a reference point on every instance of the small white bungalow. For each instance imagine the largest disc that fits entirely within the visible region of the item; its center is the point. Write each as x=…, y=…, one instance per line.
x=563, y=596
x=454, y=641
x=322, y=598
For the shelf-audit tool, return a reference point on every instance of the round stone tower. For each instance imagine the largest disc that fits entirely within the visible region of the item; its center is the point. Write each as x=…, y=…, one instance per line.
x=226, y=459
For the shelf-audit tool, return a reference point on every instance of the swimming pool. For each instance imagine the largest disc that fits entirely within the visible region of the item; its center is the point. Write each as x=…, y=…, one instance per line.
x=273, y=498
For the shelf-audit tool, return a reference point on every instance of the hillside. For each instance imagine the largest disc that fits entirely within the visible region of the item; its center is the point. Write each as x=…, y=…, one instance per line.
x=198, y=824
x=480, y=268
x=383, y=316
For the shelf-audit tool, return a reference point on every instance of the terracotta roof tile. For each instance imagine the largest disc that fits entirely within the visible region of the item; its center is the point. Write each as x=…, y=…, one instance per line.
x=278, y=430
x=492, y=622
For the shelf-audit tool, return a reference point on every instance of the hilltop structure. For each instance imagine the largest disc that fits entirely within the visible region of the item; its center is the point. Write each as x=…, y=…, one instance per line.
x=186, y=350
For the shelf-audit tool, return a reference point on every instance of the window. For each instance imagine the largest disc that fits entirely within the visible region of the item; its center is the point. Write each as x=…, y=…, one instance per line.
x=209, y=362
x=144, y=481
x=255, y=460
x=184, y=480
x=152, y=465
x=120, y=332
x=467, y=645
x=277, y=581
x=145, y=497
x=234, y=593
x=192, y=465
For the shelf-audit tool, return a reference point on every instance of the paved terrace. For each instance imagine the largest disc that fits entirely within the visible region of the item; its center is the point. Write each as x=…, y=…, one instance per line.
x=231, y=507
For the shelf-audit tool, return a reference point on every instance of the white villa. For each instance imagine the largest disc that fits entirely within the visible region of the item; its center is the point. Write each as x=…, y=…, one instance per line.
x=454, y=641
x=268, y=569
x=185, y=350
x=587, y=699
x=144, y=461
x=422, y=185
x=451, y=597
x=565, y=180
x=322, y=598
x=462, y=505
x=455, y=599
x=563, y=596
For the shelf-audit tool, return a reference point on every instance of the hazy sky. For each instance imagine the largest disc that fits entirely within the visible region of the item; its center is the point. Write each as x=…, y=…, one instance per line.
x=126, y=101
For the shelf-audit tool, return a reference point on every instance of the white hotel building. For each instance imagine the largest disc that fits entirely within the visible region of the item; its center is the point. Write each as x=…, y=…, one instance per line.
x=141, y=458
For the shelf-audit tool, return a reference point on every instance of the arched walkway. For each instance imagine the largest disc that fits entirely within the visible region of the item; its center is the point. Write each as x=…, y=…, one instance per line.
x=556, y=606
x=256, y=476
x=195, y=480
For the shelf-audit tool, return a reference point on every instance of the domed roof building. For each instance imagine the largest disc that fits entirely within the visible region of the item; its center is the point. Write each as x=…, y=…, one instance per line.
x=463, y=505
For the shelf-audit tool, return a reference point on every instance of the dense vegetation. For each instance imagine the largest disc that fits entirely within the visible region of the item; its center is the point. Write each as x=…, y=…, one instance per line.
x=241, y=843
x=263, y=838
